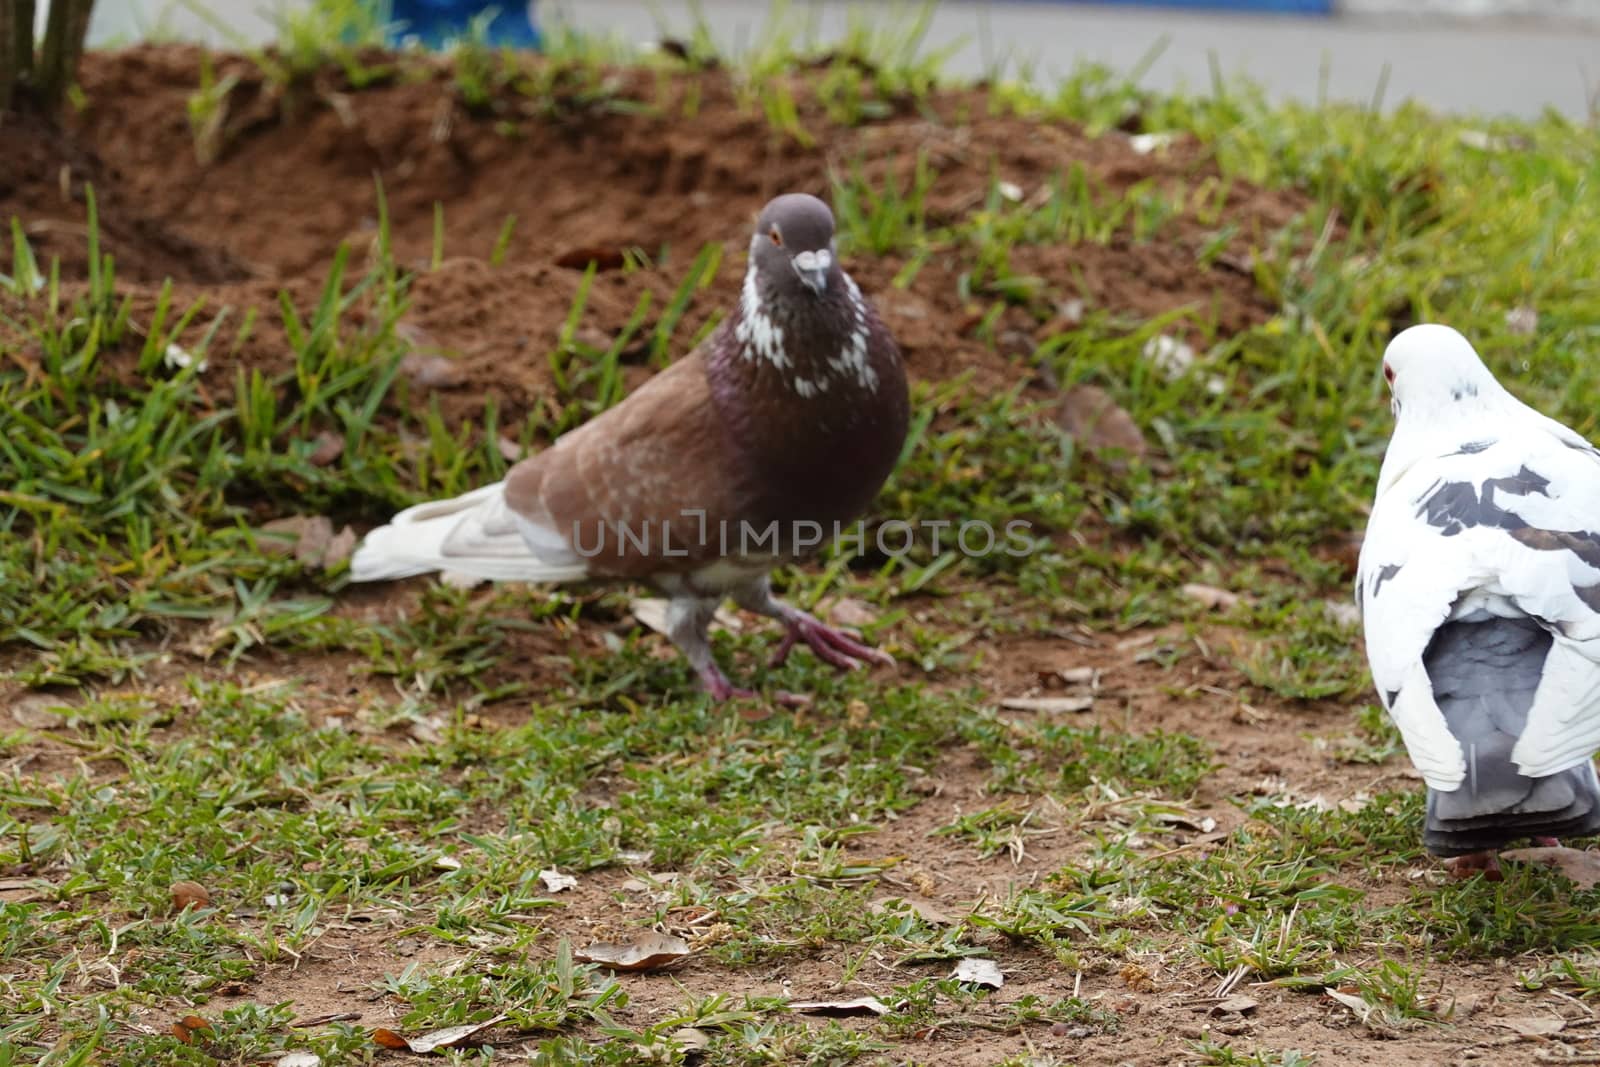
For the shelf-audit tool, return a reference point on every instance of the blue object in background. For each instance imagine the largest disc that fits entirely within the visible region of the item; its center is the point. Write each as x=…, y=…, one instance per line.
x=435, y=23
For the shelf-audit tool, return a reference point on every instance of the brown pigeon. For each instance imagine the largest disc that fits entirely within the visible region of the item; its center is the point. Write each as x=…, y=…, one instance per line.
x=774, y=432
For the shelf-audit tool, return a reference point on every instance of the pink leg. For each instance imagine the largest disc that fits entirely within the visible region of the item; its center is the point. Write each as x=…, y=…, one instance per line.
x=1546, y=842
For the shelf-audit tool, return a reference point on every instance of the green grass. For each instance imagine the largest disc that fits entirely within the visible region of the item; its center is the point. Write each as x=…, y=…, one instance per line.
x=205, y=708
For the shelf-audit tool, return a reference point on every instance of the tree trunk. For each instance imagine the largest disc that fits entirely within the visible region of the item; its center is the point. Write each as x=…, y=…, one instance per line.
x=64, y=33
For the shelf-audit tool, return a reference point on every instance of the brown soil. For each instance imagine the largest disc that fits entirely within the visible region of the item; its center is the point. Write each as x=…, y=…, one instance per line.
x=293, y=178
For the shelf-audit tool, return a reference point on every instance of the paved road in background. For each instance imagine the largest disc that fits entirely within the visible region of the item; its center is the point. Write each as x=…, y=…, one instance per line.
x=1466, y=66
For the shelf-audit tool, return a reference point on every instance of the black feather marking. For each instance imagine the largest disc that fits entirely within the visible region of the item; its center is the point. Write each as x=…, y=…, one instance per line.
x=1390, y=696
x=1457, y=506
x=1472, y=448
x=1385, y=572
x=1461, y=392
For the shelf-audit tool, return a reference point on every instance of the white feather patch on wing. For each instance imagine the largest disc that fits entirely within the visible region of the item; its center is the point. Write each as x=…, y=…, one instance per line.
x=475, y=534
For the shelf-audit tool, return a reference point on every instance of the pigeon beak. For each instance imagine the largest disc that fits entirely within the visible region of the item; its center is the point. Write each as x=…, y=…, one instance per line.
x=813, y=267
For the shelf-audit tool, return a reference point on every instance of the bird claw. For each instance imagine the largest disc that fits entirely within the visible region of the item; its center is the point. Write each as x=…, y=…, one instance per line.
x=831, y=646
x=720, y=689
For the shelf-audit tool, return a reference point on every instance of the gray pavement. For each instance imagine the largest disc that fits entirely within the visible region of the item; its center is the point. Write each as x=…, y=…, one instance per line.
x=1491, y=66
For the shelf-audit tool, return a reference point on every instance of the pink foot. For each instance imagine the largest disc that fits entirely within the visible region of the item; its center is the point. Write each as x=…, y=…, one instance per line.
x=834, y=647
x=716, y=683
x=1485, y=863
x=1546, y=842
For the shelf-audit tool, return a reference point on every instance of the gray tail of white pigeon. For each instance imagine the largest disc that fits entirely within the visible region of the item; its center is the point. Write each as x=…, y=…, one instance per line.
x=1484, y=671
x=475, y=534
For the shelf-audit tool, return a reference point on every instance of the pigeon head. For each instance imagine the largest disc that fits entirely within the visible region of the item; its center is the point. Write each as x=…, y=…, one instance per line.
x=1432, y=369
x=792, y=249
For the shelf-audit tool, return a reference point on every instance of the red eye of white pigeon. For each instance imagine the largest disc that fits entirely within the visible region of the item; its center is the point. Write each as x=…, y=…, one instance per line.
x=1388, y=374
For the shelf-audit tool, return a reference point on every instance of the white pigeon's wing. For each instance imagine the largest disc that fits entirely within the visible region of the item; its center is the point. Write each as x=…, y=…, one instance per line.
x=1406, y=587
x=1502, y=525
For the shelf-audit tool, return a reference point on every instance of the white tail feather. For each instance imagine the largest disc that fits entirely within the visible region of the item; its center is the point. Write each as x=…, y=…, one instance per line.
x=474, y=534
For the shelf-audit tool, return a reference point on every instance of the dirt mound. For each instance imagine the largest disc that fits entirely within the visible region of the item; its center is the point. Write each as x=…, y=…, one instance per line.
x=634, y=162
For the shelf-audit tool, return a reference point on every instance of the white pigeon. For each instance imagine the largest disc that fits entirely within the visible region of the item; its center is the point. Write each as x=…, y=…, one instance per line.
x=1479, y=588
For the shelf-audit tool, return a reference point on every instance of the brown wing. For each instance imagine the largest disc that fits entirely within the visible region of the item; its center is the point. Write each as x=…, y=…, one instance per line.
x=644, y=488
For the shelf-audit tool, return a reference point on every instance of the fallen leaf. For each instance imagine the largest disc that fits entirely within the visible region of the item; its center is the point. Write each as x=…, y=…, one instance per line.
x=1048, y=705
x=926, y=910
x=449, y=1037
x=1201, y=825
x=329, y=447
x=979, y=972
x=602, y=258
x=556, y=882
x=1237, y=1004
x=309, y=538
x=651, y=952
x=389, y=1039
x=652, y=613
x=1582, y=868
x=189, y=894
x=432, y=371
x=858, y=1006
x=299, y=1059
x=1210, y=597
x=1089, y=414
x=848, y=611
x=1089, y=676
x=185, y=1028
x=1358, y=1007
x=35, y=712
x=1532, y=1025
x=691, y=1040
x=446, y=863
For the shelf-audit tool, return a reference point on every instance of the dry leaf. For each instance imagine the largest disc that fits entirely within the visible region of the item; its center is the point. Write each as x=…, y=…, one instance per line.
x=309, y=538
x=446, y=863
x=556, y=882
x=1210, y=597
x=1237, y=1004
x=189, y=894
x=389, y=1039
x=1582, y=868
x=979, y=972
x=185, y=1028
x=1089, y=676
x=1359, y=1007
x=1048, y=705
x=1089, y=415
x=652, y=613
x=926, y=910
x=449, y=1037
x=848, y=611
x=651, y=952
x=34, y=712
x=299, y=1059
x=432, y=372
x=330, y=446
x=858, y=1006
x=1532, y=1025
x=691, y=1040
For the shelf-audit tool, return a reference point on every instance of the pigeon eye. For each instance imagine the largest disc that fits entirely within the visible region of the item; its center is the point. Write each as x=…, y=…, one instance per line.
x=1388, y=374
x=777, y=238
